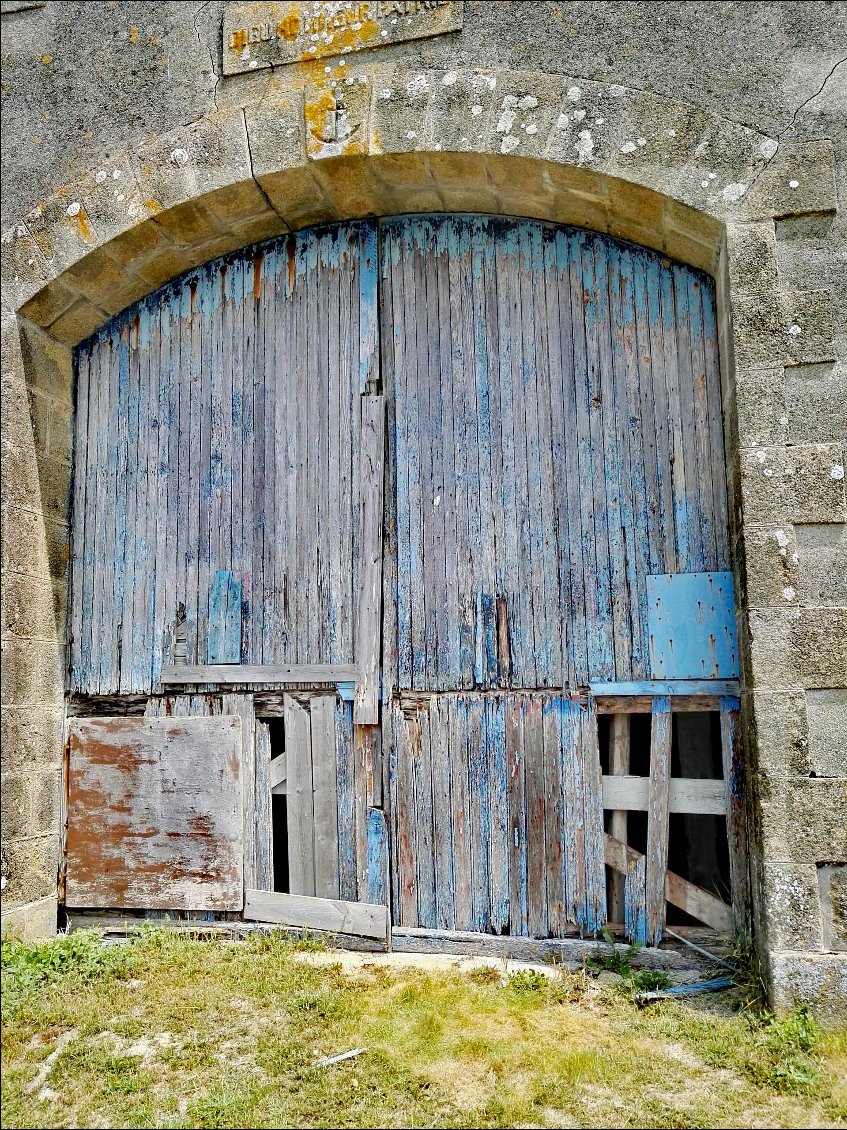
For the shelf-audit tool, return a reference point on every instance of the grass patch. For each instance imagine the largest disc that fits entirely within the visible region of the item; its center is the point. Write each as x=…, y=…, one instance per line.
x=174, y=1031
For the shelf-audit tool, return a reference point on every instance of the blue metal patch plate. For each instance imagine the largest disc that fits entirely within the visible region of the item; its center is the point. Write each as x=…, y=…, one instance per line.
x=691, y=624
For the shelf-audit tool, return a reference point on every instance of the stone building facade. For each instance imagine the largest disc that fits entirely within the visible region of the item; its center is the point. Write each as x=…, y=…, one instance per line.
x=139, y=140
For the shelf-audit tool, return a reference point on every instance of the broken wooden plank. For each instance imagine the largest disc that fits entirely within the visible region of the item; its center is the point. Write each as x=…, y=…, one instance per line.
x=325, y=799
x=242, y=674
x=331, y=915
x=376, y=886
x=686, y=794
x=700, y=904
x=264, y=848
x=278, y=773
x=657, y=817
x=301, y=842
x=368, y=614
x=618, y=766
x=154, y=813
x=242, y=705
x=635, y=897
x=736, y=815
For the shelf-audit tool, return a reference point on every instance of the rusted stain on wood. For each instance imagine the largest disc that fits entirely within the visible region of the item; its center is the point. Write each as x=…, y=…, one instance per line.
x=155, y=813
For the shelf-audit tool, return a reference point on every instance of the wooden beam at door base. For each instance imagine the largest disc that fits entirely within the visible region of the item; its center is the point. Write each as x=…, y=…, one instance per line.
x=700, y=904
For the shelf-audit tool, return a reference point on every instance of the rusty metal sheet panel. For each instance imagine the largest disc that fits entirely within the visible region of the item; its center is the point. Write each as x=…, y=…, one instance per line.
x=691, y=621
x=155, y=813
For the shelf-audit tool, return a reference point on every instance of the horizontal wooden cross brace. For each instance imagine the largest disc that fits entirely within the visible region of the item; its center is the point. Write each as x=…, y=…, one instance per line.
x=700, y=904
x=686, y=794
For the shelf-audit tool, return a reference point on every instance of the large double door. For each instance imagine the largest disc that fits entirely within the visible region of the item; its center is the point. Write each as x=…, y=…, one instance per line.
x=416, y=482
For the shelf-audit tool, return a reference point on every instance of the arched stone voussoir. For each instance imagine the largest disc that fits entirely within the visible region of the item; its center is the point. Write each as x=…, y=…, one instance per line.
x=677, y=149
x=645, y=168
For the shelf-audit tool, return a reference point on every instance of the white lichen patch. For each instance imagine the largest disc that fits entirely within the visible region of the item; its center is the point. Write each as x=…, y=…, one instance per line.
x=733, y=192
x=73, y=208
x=616, y=90
x=794, y=330
x=584, y=145
x=527, y=102
x=768, y=148
x=100, y=176
x=179, y=157
x=836, y=472
x=507, y=120
x=449, y=79
x=793, y=184
x=509, y=143
x=789, y=592
x=628, y=147
x=417, y=86
x=574, y=94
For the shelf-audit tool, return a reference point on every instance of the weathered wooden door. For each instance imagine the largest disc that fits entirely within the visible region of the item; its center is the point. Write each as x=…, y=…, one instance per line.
x=555, y=507
x=555, y=446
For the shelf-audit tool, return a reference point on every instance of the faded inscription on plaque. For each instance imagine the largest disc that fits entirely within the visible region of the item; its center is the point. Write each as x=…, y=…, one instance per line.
x=268, y=34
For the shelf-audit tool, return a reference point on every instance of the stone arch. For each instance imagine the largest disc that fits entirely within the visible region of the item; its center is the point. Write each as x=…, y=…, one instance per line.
x=662, y=173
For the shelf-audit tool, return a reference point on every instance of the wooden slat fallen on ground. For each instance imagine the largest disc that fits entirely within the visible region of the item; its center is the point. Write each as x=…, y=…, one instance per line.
x=333, y=915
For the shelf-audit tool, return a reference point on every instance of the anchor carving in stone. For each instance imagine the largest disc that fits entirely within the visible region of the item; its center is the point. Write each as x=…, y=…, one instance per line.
x=337, y=127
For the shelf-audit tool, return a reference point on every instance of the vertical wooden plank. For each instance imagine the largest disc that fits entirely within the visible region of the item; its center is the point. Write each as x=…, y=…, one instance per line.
x=716, y=436
x=361, y=775
x=657, y=817
x=264, y=848
x=558, y=534
x=540, y=500
x=654, y=545
x=299, y=791
x=121, y=476
x=479, y=812
x=592, y=807
x=325, y=798
x=442, y=771
x=552, y=794
x=704, y=502
x=449, y=629
x=462, y=663
x=614, y=448
x=618, y=767
x=498, y=806
x=486, y=628
x=403, y=804
x=422, y=784
x=368, y=615
x=736, y=815
x=592, y=259
x=515, y=768
x=242, y=705
x=583, y=484
x=536, y=848
x=525, y=436
x=81, y=536
x=663, y=381
x=346, y=790
x=224, y=632
x=635, y=913
x=573, y=789
x=460, y=812
x=574, y=606
x=508, y=389
x=376, y=887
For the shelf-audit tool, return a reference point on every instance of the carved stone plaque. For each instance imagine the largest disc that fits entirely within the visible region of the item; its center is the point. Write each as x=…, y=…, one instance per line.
x=265, y=34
